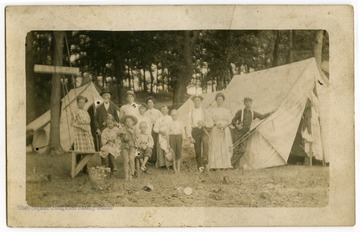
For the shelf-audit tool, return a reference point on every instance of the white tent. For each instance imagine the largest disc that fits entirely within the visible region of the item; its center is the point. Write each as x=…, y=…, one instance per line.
x=284, y=89
x=41, y=126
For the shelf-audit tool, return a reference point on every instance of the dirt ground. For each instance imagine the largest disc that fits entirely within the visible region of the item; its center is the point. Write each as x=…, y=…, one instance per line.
x=49, y=184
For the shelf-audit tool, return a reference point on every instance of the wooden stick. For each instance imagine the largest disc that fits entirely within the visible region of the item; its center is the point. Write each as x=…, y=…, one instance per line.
x=56, y=69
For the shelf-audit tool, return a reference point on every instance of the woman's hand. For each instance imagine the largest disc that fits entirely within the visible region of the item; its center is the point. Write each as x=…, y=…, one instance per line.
x=201, y=123
x=191, y=140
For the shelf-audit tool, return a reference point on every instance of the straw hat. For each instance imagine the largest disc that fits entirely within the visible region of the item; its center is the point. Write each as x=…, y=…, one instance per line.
x=123, y=119
x=197, y=96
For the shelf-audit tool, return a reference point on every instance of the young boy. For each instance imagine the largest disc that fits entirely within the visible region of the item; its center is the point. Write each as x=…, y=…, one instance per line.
x=145, y=145
x=110, y=142
x=176, y=136
x=128, y=146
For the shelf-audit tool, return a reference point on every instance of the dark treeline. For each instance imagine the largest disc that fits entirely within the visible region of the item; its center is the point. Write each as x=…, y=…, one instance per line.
x=160, y=62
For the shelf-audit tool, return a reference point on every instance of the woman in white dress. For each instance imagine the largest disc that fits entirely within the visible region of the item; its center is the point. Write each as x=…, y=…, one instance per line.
x=153, y=114
x=220, y=150
x=161, y=127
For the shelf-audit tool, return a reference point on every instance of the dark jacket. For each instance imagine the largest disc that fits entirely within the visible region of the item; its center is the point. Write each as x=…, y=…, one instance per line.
x=101, y=114
x=246, y=121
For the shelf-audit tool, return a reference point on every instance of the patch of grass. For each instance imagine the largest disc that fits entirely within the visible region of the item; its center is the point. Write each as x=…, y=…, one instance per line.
x=286, y=186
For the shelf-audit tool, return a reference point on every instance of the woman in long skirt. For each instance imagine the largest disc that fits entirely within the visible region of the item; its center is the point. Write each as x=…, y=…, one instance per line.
x=81, y=123
x=153, y=114
x=220, y=149
x=161, y=127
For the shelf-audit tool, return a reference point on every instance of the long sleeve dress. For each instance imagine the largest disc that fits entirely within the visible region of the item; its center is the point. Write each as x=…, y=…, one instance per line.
x=162, y=124
x=83, y=137
x=220, y=148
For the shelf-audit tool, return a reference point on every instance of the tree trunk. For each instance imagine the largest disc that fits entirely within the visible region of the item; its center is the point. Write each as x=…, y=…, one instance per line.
x=318, y=47
x=30, y=80
x=290, y=56
x=54, y=143
x=118, y=69
x=275, y=61
x=144, y=81
x=151, y=81
x=181, y=85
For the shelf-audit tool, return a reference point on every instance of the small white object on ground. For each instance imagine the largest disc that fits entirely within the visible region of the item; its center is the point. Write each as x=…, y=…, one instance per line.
x=188, y=191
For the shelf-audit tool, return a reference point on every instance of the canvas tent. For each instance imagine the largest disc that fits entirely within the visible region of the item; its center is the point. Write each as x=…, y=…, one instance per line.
x=286, y=90
x=41, y=126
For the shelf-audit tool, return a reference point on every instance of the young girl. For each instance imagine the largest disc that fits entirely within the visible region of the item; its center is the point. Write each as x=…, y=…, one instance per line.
x=84, y=140
x=161, y=126
x=81, y=123
x=110, y=142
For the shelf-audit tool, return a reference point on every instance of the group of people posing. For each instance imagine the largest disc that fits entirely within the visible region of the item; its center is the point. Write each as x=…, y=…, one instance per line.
x=141, y=133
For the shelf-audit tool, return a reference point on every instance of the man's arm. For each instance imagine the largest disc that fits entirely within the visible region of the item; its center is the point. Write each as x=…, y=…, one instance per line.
x=188, y=126
x=208, y=119
x=261, y=116
x=115, y=112
x=121, y=112
x=236, y=118
x=97, y=119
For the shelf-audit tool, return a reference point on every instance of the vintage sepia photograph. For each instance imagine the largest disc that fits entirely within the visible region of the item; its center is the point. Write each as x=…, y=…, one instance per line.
x=224, y=118
x=144, y=119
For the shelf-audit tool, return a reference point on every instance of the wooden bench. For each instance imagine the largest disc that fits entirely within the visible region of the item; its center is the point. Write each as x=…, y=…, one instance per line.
x=76, y=167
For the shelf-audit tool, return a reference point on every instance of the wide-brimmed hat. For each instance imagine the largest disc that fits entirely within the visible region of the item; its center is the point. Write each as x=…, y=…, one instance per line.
x=130, y=93
x=248, y=99
x=197, y=96
x=106, y=91
x=123, y=119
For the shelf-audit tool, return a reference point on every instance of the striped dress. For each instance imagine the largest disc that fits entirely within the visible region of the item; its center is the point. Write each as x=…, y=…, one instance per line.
x=83, y=137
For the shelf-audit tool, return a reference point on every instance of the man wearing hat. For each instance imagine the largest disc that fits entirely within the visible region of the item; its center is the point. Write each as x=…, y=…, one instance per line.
x=130, y=108
x=102, y=111
x=242, y=121
x=197, y=130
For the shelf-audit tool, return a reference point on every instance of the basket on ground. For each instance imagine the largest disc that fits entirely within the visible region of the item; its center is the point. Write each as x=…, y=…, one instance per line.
x=99, y=174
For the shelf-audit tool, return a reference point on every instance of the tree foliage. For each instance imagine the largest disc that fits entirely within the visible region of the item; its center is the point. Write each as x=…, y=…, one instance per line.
x=164, y=62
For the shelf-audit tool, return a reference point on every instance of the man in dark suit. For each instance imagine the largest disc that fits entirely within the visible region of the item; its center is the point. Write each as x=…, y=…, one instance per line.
x=107, y=107
x=242, y=121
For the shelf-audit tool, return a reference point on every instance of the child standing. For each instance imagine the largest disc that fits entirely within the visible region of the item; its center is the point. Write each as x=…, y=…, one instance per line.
x=110, y=142
x=128, y=145
x=145, y=145
x=176, y=136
